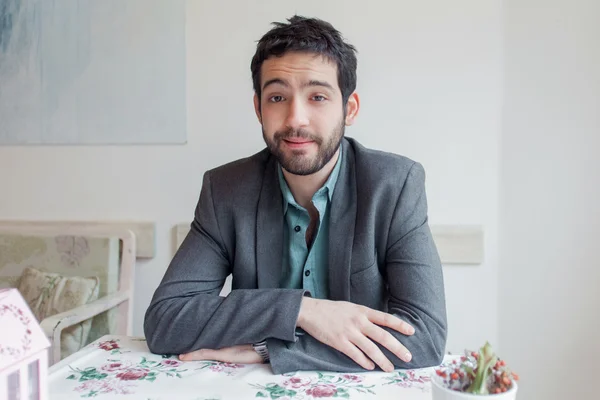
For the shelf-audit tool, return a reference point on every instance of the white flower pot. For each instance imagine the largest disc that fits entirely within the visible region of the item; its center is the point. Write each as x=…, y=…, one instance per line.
x=440, y=392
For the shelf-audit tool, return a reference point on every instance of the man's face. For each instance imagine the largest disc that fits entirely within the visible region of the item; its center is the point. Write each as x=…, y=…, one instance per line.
x=301, y=111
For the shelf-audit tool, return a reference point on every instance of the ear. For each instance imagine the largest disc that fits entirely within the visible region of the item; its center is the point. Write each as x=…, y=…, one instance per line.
x=352, y=108
x=257, y=108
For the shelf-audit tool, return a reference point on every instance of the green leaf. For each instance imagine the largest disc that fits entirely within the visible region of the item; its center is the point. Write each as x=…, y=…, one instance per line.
x=281, y=392
x=71, y=377
x=261, y=394
x=98, y=376
x=487, y=358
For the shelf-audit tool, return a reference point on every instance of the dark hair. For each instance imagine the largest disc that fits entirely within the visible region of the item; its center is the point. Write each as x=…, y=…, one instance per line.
x=310, y=35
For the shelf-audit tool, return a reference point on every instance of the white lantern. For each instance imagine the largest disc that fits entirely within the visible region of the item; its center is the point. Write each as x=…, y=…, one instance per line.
x=23, y=350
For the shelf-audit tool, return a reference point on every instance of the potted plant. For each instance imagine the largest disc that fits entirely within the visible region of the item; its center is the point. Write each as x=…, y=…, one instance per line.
x=473, y=376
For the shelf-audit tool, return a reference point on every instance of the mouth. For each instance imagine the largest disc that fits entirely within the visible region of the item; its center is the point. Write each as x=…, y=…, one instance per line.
x=297, y=143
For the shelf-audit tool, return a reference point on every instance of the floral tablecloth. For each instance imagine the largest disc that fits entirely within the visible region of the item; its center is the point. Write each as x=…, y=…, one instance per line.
x=122, y=367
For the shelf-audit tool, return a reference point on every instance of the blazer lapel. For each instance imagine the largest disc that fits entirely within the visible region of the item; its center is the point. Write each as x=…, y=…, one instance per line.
x=341, y=227
x=269, y=229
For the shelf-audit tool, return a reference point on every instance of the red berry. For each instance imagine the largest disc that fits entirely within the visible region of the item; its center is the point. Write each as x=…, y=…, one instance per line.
x=454, y=376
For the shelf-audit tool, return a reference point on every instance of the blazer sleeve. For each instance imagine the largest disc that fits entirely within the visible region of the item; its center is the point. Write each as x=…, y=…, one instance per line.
x=186, y=312
x=416, y=294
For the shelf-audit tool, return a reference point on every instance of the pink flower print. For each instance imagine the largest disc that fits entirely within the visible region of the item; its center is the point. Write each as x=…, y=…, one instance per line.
x=113, y=367
x=230, y=365
x=353, y=378
x=73, y=249
x=217, y=368
x=412, y=377
x=171, y=363
x=108, y=345
x=132, y=374
x=109, y=385
x=297, y=383
x=322, y=390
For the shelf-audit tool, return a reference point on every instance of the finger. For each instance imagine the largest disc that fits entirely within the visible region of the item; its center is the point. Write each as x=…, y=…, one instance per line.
x=391, y=321
x=207, y=354
x=222, y=355
x=243, y=354
x=371, y=350
x=355, y=354
x=197, y=355
x=388, y=341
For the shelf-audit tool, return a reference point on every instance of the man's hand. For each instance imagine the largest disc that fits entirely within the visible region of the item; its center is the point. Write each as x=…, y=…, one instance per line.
x=244, y=354
x=351, y=328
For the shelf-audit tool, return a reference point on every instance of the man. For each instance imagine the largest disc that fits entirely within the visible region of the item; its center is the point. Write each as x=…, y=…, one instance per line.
x=333, y=263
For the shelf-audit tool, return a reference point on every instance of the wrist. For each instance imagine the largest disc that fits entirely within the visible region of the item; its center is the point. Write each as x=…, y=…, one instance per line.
x=262, y=350
x=304, y=310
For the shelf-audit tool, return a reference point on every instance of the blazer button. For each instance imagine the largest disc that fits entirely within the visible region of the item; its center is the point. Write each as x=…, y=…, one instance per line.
x=307, y=273
x=297, y=228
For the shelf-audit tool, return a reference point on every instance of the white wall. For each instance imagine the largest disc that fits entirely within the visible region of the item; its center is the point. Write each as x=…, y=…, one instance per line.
x=550, y=197
x=430, y=79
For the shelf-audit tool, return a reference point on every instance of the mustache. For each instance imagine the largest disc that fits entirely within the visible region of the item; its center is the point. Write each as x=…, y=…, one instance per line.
x=296, y=134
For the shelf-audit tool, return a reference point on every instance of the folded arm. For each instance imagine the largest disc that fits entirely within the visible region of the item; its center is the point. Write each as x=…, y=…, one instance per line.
x=416, y=289
x=186, y=312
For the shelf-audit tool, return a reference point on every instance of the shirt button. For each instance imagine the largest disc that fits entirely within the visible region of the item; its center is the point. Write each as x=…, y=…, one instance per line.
x=307, y=273
x=297, y=228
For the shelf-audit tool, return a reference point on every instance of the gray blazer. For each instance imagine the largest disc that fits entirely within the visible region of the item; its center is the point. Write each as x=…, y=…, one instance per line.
x=381, y=255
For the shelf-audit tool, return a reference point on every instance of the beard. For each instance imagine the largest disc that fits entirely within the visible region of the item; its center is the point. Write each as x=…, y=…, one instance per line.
x=297, y=162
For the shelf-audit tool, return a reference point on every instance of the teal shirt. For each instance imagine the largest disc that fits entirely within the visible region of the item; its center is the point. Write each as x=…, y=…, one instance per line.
x=305, y=268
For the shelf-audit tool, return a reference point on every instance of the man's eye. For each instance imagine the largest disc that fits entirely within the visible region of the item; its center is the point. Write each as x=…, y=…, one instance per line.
x=319, y=98
x=275, y=99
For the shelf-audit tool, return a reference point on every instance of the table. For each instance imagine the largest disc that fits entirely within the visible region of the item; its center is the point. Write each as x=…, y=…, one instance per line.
x=122, y=367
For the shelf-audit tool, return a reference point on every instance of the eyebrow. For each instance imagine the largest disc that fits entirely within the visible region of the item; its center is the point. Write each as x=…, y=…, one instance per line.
x=317, y=83
x=312, y=82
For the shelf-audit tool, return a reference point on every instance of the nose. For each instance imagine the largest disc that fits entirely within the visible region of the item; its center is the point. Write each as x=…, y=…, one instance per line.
x=297, y=116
